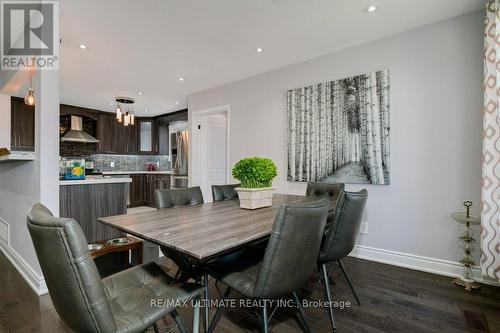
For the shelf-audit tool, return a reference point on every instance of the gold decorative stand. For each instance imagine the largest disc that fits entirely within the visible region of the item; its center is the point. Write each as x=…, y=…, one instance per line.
x=467, y=244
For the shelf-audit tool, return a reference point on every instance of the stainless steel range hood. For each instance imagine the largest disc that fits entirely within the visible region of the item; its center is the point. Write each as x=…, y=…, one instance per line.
x=77, y=134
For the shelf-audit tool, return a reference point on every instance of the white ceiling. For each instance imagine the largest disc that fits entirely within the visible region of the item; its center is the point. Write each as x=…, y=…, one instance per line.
x=147, y=45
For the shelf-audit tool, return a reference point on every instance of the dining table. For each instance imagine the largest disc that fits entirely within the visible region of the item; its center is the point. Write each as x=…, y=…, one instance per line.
x=203, y=232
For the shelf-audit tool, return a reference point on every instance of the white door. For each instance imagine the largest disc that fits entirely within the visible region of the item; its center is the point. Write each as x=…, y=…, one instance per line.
x=213, y=152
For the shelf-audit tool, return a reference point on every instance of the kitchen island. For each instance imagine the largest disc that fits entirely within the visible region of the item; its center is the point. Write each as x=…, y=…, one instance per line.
x=87, y=200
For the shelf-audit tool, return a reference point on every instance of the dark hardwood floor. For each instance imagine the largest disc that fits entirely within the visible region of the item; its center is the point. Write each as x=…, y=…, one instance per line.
x=393, y=300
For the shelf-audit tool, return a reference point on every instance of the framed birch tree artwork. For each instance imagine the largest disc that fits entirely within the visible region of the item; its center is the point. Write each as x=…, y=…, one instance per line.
x=339, y=131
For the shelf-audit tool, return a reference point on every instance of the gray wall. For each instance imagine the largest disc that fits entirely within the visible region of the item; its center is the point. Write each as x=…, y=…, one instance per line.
x=436, y=102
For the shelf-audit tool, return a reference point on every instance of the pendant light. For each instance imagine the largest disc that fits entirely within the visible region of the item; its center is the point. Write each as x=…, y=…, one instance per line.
x=126, y=118
x=132, y=117
x=29, y=99
x=118, y=112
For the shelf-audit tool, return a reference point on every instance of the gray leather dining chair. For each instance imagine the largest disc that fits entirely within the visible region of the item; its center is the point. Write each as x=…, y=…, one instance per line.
x=119, y=303
x=224, y=192
x=286, y=263
x=341, y=238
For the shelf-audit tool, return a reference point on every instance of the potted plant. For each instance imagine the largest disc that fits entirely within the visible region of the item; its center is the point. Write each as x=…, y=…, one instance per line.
x=256, y=175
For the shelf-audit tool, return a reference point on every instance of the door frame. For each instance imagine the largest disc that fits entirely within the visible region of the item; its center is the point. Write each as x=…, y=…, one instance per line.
x=195, y=172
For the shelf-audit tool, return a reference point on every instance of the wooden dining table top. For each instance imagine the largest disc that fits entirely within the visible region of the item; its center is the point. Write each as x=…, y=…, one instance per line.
x=202, y=231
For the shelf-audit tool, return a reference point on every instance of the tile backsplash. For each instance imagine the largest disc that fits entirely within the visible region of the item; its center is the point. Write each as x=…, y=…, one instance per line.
x=103, y=162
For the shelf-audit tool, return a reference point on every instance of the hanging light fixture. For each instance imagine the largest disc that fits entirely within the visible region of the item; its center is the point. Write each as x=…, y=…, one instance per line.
x=29, y=99
x=127, y=118
x=118, y=112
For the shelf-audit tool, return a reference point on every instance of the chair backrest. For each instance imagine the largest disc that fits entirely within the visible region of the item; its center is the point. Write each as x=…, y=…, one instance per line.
x=178, y=197
x=341, y=237
x=72, y=278
x=293, y=247
x=224, y=192
x=330, y=190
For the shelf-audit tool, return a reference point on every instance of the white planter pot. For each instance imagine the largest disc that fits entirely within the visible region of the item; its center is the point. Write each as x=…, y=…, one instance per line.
x=253, y=198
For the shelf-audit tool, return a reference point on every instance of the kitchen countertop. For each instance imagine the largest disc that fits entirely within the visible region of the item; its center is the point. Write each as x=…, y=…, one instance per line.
x=165, y=172
x=91, y=181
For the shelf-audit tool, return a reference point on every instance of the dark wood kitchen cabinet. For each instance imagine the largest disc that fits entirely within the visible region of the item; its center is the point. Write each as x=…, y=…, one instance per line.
x=147, y=140
x=137, y=190
x=114, y=137
x=22, y=125
x=106, y=133
x=130, y=139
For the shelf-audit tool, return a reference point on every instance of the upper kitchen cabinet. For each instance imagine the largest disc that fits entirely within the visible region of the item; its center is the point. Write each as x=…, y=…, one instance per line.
x=22, y=126
x=146, y=129
x=108, y=137
x=114, y=137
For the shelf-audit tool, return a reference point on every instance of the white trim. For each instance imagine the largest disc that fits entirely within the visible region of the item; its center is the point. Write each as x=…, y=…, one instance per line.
x=419, y=263
x=194, y=174
x=34, y=280
x=8, y=232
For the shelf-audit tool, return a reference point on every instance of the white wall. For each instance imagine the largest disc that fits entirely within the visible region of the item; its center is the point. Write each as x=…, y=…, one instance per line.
x=436, y=102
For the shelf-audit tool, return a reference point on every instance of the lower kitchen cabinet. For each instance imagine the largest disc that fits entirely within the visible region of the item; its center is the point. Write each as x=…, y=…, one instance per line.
x=137, y=190
x=143, y=187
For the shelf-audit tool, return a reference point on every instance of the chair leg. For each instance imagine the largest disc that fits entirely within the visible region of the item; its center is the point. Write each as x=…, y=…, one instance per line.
x=207, y=302
x=178, y=321
x=302, y=313
x=155, y=328
x=329, y=296
x=265, y=320
x=217, y=315
x=349, y=282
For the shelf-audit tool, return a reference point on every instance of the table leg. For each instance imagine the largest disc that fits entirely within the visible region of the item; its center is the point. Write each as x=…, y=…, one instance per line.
x=207, y=302
x=196, y=315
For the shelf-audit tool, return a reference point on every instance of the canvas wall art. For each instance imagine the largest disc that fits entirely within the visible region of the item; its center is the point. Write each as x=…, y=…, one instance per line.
x=339, y=131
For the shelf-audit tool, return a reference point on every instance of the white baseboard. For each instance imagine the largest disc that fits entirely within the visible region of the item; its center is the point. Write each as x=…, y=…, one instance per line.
x=419, y=263
x=34, y=280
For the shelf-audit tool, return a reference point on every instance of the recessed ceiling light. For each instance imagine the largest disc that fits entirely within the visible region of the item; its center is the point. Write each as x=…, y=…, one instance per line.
x=259, y=50
x=146, y=111
x=140, y=93
x=83, y=46
x=177, y=102
x=181, y=79
x=370, y=9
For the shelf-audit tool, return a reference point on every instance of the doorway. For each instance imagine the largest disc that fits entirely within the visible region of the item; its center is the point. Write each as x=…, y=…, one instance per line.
x=210, y=130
